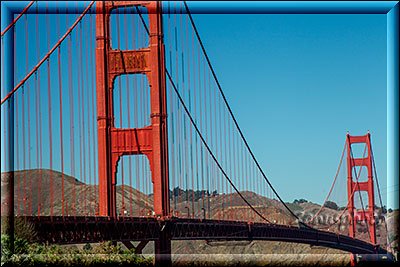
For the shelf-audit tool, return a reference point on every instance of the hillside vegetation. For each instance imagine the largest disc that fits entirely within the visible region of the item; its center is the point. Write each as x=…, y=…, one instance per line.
x=76, y=192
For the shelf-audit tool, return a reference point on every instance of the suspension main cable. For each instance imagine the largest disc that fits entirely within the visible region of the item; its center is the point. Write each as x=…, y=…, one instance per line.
x=47, y=55
x=352, y=194
x=208, y=148
x=17, y=18
x=233, y=117
x=201, y=137
x=334, y=181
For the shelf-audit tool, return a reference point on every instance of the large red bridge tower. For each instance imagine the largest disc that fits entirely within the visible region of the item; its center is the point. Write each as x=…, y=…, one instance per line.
x=151, y=141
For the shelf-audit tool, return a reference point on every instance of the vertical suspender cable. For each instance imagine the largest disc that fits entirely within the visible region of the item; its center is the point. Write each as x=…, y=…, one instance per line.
x=93, y=118
x=208, y=148
x=185, y=141
x=243, y=167
x=37, y=131
x=128, y=114
x=136, y=123
x=143, y=121
x=217, y=152
x=380, y=198
x=89, y=184
x=359, y=191
x=221, y=198
x=24, y=145
x=230, y=111
x=83, y=178
x=180, y=118
x=334, y=181
x=40, y=122
x=212, y=179
x=201, y=127
x=144, y=112
x=37, y=149
x=80, y=103
x=4, y=113
x=50, y=130
x=29, y=120
x=37, y=124
x=247, y=215
x=195, y=115
x=190, y=107
x=71, y=117
x=16, y=120
x=3, y=209
x=187, y=128
x=352, y=193
x=61, y=116
x=207, y=159
x=173, y=120
x=120, y=115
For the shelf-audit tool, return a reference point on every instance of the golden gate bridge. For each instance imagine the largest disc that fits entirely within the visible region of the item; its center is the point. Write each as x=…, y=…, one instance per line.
x=115, y=127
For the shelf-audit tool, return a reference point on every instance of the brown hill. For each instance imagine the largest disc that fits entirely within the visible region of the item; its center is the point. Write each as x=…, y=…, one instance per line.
x=216, y=206
x=79, y=198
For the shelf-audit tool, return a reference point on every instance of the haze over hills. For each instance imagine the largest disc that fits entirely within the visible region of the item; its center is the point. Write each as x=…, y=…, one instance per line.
x=83, y=195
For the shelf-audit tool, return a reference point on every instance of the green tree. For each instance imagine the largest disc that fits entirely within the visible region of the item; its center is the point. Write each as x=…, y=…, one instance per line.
x=299, y=201
x=331, y=205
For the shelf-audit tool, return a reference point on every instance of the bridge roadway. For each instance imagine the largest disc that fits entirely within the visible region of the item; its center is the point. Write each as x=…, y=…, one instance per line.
x=81, y=229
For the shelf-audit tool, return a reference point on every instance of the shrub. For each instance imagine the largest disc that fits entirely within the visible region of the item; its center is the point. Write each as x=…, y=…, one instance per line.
x=20, y=247
x=299, y=201
x=393, y=238
x=87, y=246
x=105, y=254
x=22, y=229
x=107, y=248
x=331, y=205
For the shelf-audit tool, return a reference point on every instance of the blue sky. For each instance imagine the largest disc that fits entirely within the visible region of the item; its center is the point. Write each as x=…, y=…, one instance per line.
x=297, y=84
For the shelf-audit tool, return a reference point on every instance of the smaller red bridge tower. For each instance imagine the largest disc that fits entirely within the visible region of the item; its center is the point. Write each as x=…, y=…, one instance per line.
x=353, y=186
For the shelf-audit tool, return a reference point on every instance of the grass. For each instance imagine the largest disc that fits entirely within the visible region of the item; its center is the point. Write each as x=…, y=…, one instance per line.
x=34, y=254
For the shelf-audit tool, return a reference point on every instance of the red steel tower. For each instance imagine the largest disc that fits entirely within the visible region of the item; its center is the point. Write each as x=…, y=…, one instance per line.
x=353, y=186
x=151, y=141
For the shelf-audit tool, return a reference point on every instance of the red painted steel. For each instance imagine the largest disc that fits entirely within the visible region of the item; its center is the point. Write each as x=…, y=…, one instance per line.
x=151, y=140
x=17, y=18
x=367, y=186
x=35, y=69
x=84, y=229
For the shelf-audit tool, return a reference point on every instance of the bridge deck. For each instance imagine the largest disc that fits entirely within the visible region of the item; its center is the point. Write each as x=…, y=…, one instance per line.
x=68, y=230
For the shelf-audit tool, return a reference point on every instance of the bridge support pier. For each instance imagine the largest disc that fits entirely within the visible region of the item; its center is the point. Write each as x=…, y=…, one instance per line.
x=162, y=250
x=139, y=248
